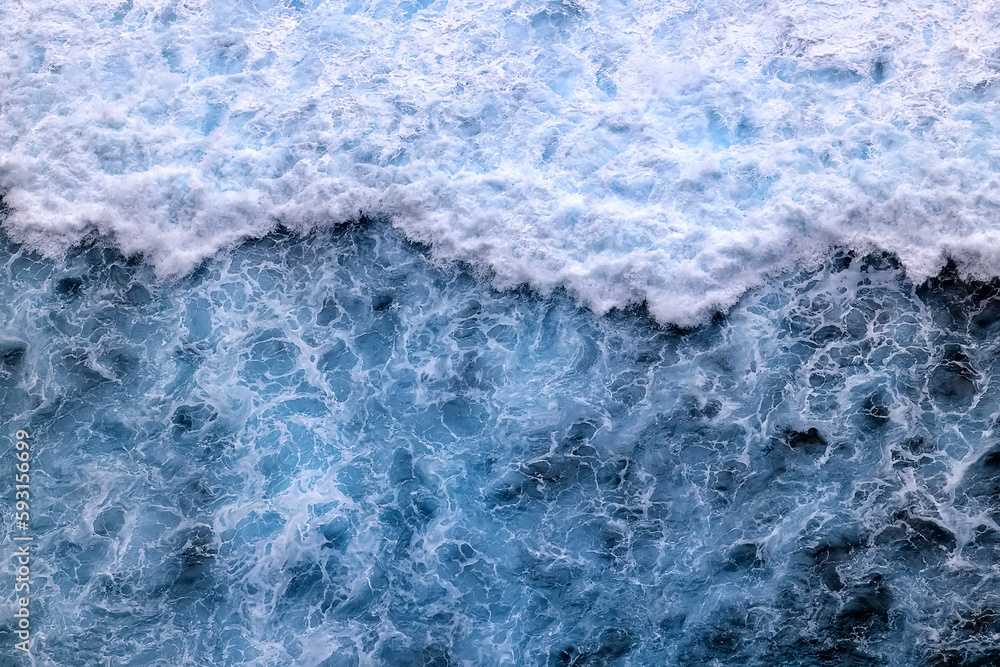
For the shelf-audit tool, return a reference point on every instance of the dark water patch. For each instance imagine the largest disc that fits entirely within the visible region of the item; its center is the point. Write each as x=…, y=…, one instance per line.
x=865, y=610
x=744, y=556
x=954, y=381
x=917, y=542
x=828, y=557
x=809, y=440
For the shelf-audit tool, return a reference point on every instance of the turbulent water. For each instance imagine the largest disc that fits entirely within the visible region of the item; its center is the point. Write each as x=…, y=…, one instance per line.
x=673, y=152
x=329, y=451
x=509, y=333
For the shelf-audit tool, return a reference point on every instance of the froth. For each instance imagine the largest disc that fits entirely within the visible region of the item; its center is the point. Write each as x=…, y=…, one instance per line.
x=673, y=153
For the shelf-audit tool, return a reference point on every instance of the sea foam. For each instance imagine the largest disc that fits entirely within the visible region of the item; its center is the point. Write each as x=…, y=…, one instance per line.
x=673, y=153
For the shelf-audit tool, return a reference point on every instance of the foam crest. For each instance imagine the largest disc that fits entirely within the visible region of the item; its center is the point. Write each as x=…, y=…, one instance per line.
x=670, y=153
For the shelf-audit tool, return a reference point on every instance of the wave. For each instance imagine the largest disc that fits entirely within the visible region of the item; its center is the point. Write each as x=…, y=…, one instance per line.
x=671, y=153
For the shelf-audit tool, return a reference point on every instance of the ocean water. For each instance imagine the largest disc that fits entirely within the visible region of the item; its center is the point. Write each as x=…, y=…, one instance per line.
x=508, y=333
x=673, y=153
x=330, y=450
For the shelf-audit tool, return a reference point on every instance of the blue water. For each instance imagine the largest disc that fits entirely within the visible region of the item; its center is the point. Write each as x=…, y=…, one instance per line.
x=691, y=369
x=331, y=450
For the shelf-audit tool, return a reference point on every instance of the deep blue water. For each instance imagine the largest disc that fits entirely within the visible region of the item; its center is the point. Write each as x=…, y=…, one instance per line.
x=329, y=450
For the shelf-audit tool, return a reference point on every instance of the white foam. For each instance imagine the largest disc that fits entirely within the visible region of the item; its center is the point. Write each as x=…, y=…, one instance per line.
x=672, y=152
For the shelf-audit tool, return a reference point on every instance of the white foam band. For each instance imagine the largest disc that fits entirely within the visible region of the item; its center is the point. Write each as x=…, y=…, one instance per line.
x=676, y=153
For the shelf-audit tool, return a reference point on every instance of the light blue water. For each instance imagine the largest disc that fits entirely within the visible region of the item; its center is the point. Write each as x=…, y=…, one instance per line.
x=328, y=450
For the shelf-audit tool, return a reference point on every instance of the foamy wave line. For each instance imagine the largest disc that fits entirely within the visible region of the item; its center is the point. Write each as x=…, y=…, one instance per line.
x=673, y=153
